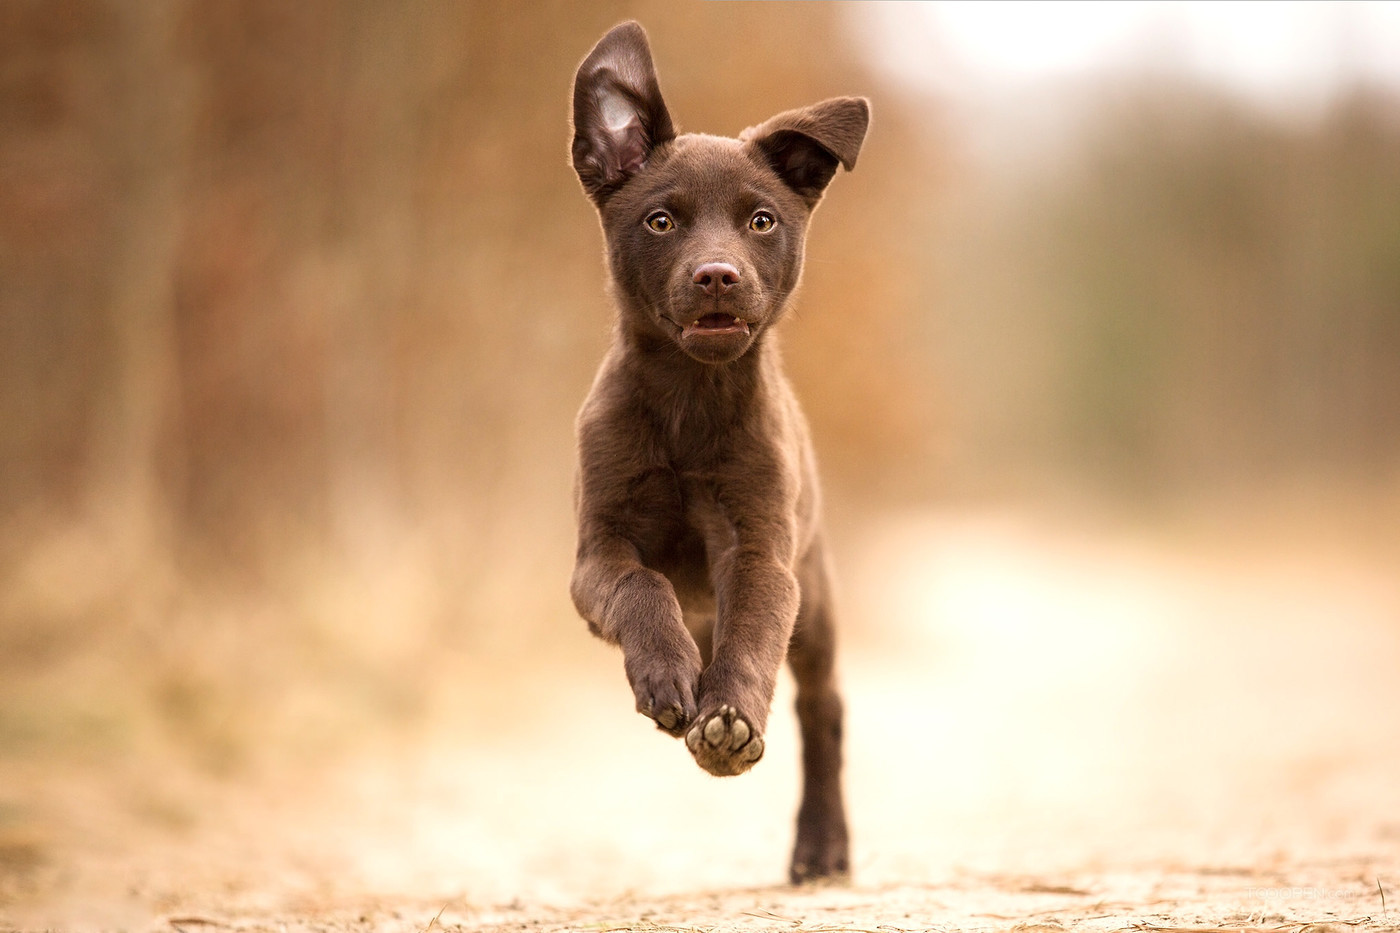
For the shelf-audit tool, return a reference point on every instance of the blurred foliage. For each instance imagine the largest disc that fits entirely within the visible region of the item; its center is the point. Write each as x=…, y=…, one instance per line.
x=297, y=302
x=1235, y=293
x=1197, y=298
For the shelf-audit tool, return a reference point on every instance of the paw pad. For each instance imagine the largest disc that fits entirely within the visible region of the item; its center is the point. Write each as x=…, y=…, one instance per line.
x=723, y=742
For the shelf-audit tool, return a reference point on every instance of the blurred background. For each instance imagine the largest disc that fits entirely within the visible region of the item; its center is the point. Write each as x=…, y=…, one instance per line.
x=297, y=303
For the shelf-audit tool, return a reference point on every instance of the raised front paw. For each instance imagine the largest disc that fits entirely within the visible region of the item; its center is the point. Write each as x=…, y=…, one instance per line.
x=665, y=690
x=724, y=742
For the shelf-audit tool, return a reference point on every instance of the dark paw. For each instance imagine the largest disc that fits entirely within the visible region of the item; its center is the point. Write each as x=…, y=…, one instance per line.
x=820, y=857
x=666, y=694
x=724, y=742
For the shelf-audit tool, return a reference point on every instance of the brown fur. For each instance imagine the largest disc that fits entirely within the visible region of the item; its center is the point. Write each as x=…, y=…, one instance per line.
x=699, y=550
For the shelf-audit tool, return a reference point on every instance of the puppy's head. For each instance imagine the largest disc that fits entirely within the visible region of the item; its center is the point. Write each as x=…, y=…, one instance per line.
x=704, y=233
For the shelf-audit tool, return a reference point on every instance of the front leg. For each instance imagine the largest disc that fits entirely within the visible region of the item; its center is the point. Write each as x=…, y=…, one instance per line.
x=631, y=606
x=757, y=605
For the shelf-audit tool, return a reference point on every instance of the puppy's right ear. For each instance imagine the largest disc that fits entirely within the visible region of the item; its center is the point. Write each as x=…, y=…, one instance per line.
x=619, y=116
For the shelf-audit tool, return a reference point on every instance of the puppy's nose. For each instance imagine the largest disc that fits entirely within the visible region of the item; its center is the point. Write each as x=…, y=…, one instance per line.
x=716, y=278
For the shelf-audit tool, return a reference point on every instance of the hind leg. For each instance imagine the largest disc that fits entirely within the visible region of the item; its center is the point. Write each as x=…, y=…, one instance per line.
x=822, y=847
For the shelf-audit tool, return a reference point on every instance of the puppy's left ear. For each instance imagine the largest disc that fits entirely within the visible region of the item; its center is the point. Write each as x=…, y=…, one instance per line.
x=619, y=116
x=805, y=146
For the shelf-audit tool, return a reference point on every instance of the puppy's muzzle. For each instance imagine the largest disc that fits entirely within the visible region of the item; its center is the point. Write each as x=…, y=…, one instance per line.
x=716, y=280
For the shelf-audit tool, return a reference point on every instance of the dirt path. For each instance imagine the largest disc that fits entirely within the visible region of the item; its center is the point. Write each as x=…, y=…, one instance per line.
x=1151, y=901
x=1046, y=730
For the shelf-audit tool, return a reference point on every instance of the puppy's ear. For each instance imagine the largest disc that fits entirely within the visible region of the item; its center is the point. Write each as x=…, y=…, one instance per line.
x=804, y=146
x=619, y=116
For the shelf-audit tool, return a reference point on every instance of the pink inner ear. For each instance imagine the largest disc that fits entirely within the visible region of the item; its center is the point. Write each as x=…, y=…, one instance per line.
x=615, y=110
x=623, y=129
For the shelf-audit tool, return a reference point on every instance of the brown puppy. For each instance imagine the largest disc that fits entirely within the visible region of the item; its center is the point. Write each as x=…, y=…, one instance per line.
x=699, y=550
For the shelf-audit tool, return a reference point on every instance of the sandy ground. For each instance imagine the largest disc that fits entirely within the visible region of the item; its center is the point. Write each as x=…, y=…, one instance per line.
x=1048, y=728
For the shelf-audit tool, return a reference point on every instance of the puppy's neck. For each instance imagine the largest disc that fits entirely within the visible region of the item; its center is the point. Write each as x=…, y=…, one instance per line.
x=676, y=382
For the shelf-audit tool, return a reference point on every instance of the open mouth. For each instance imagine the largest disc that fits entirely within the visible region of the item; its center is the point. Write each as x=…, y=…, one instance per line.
x=714, y=325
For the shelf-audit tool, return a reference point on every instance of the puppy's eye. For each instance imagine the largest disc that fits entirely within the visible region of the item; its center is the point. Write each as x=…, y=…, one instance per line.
x=762, y=222
x=660, y=222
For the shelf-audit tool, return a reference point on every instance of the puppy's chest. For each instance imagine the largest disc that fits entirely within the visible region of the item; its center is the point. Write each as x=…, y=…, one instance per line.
x=673, y=512
x=703, y=479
